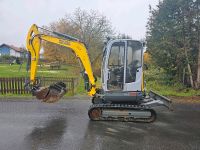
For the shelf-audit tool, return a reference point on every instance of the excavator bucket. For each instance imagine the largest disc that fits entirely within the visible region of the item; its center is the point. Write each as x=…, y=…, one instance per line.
x=51, y=94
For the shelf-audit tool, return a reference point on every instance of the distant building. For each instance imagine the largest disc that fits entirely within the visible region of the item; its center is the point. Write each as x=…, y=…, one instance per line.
x=11, y=50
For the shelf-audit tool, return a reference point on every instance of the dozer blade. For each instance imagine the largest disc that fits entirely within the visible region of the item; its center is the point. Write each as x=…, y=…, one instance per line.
x=51, y=94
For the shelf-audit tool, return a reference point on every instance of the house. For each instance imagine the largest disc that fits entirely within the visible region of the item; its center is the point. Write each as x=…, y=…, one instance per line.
x=11, y=50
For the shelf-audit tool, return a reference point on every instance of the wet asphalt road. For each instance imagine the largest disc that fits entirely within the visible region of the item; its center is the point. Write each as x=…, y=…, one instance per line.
x=31, y=125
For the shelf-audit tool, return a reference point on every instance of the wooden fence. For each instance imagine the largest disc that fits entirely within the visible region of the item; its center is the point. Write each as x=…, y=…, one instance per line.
x=16, y=85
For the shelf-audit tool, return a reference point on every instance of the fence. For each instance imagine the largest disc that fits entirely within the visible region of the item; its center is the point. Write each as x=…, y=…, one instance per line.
x=16, y=85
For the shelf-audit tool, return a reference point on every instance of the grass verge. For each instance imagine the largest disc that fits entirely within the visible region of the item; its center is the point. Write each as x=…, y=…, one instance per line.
x=157, y=81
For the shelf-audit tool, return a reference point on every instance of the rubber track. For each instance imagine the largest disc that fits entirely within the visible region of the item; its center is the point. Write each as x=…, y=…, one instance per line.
x=122, y=107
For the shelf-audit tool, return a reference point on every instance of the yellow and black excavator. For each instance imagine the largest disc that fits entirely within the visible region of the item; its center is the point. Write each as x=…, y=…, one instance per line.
x=122, y=95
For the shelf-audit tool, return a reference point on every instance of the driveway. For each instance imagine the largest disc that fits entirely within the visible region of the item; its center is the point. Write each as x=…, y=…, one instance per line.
x=31, y=125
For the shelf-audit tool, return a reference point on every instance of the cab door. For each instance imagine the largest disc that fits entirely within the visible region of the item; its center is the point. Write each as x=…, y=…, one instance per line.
x=113, y=66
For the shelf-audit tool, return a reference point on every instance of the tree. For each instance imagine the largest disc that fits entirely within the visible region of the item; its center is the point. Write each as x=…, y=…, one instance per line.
x=172, y=39
x=90, y=27
x=197, y=27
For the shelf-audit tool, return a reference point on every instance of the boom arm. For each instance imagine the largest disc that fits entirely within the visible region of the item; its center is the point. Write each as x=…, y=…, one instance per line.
x=33, y=44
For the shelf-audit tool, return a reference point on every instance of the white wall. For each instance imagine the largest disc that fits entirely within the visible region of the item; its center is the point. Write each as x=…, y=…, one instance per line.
x=14, y=53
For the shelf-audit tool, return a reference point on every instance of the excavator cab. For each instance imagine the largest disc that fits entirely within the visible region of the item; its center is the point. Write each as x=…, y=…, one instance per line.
x=122, y=76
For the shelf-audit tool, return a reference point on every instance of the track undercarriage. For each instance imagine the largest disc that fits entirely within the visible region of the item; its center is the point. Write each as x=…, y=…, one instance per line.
x=142, y=112
x=121, y=112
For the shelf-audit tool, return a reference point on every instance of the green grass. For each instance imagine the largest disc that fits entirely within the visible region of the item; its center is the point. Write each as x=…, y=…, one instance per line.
x=14, y=71
x=175, y=90
x=80, y=90
x=157, y=80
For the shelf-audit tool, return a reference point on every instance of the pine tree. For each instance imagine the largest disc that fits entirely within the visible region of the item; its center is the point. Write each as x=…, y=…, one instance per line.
x=173, y=39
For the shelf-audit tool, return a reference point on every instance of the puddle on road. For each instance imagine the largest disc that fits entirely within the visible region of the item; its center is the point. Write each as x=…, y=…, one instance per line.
x=161, y=124
x=112, y=130
x=47, y=136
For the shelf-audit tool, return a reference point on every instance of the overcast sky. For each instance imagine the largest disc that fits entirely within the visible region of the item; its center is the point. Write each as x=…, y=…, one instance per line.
x=16, y=16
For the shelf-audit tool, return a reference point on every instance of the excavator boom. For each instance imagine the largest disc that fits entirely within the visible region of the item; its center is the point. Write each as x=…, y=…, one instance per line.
x=33, y=44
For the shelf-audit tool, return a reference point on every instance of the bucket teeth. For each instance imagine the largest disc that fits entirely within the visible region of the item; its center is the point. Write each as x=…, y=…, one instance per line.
x=51, y=94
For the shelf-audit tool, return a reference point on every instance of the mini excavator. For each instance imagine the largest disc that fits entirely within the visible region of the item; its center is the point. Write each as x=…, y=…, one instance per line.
x=122, y=96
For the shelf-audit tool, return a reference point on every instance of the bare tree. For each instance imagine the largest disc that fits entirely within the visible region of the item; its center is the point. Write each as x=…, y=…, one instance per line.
x=90, y=27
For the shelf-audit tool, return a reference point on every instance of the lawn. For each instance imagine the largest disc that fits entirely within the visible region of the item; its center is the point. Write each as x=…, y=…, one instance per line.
x=14, y=71
x=157, y=80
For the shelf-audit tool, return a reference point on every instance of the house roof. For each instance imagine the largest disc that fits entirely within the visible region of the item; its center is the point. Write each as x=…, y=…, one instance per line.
x=17, y=49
